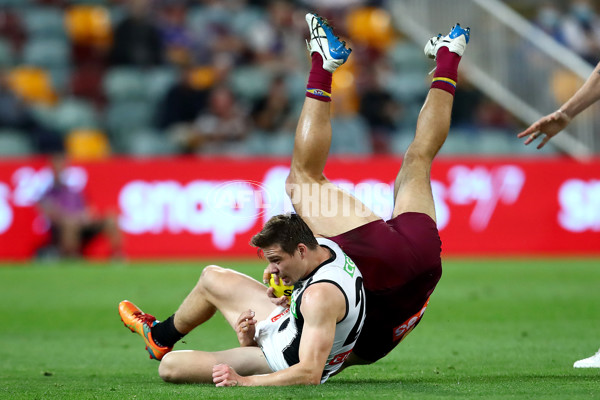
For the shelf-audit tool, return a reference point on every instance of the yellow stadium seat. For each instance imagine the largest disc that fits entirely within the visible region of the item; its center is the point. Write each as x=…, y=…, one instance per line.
x=371, y=26
x=32, y=84
x=87, y=144
x=201, y=78
x=89, y=25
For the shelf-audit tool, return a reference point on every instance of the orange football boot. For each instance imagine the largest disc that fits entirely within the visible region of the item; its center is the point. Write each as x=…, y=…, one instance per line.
x=140, y=323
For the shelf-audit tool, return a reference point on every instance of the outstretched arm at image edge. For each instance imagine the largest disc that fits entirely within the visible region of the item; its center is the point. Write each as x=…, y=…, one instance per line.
x=587, y=95
x=555, y=122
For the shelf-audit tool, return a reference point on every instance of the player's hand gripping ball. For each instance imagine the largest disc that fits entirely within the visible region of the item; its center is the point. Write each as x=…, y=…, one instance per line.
x=281, y=289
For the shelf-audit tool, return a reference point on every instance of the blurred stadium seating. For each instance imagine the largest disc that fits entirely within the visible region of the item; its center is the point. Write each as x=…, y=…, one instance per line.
x=58, y=54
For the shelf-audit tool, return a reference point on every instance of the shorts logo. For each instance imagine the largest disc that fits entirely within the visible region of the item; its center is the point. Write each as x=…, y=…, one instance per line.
x=281, y=314
x=404, y=329
x=340, y=358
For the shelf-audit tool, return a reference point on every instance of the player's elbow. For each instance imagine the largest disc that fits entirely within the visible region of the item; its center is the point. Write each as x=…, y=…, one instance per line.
x=311, y=379
x=311, y=376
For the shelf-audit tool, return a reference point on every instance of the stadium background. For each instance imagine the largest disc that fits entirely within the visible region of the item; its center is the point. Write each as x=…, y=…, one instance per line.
x=124, y=86
x=136, y=106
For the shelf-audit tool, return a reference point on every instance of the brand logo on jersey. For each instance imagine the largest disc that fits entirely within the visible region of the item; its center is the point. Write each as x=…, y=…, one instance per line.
x=340, y=358
x=404, y=329
x=349, y=266
x=293, y=308
x=281, y=314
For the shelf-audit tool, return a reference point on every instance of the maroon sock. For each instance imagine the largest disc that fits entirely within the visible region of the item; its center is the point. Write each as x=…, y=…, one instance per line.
x=446, y=71
x=319, y=80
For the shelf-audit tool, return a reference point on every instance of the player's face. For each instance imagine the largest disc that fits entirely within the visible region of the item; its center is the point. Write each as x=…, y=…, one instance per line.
x=287, y=266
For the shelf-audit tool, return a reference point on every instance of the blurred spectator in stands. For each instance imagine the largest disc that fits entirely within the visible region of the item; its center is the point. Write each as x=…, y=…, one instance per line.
x=259, y=3
x=378, y=107
x=272, y=113
x=73, y=223
x=466, y=102
x=218, y=129
x=332, y=4
x=274, y=40
x=137, y=39
x=549, y=19
x=582, y=30
x=90, y=32
x=11, y=28
x=211, y=26
x=490, y=114
x=184, y=101
x=179, y=42
x=15, y=114
x=473, y=111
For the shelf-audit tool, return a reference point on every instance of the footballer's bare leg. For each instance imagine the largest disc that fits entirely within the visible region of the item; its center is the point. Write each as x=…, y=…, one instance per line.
x=412, y=189
x=190, y=366
x=320, y=203
x=241, y=300
x=225, y=290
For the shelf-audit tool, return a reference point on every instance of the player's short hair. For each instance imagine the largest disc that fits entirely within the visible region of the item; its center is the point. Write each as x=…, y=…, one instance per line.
x=286, y=230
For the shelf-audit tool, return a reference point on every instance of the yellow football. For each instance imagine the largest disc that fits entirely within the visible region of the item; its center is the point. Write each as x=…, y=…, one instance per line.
x=281, y=289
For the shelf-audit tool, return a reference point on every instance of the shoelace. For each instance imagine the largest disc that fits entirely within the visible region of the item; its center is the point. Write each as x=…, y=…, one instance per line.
x=326, y=23
x=144, y=318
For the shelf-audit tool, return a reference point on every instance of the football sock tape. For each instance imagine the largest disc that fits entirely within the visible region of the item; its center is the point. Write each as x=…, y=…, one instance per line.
x=319, y=80
x=446, y=71
x=165, y=334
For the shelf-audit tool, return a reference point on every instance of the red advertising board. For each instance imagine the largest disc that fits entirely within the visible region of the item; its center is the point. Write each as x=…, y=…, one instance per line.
x=211, y=207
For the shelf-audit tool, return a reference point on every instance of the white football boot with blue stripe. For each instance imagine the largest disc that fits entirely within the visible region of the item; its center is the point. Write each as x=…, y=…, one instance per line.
x=323, y=41
x=456, y=41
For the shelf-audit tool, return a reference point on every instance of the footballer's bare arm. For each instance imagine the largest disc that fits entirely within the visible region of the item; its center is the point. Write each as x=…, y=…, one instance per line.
x=323, y=305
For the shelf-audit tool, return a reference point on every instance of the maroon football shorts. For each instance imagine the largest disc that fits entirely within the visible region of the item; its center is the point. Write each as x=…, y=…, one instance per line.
x=401, y=265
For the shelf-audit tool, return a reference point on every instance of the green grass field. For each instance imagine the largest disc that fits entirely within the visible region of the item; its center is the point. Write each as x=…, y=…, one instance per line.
x=501, y=329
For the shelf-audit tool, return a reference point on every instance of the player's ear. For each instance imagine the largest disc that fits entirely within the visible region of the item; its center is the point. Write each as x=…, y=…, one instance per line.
x=302, y=249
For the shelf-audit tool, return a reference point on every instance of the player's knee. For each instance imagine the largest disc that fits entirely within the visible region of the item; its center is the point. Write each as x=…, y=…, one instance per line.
x=300, y=176
x=209, y=275
x=296, y=178
x=169, y=369
x=300, y=182
x=291, y=184
x=212, y=278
